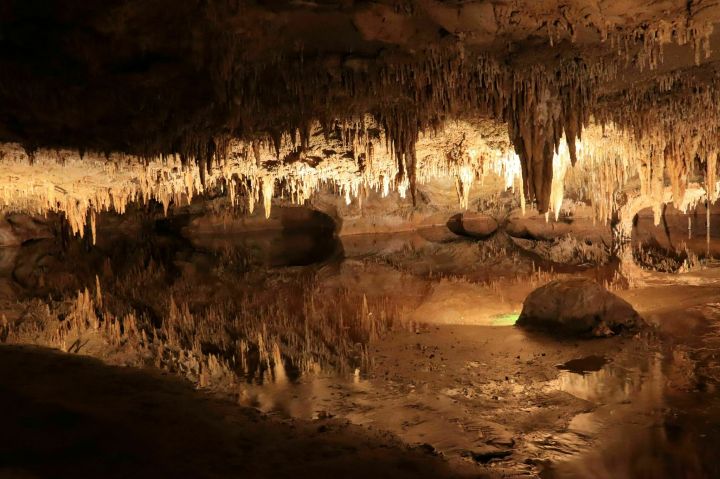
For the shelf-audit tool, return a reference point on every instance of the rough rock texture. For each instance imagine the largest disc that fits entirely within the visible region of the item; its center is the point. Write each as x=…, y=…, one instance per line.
x=578, y=307
x=566, y=250
x=15, y=229
x=126, y=76
x=579, y=223
x=472, y=224
x=436, y=206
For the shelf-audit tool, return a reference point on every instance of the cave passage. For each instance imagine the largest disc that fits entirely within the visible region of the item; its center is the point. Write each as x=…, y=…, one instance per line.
x=387, y=238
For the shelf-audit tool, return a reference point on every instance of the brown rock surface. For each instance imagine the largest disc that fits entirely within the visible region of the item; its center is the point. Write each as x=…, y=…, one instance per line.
x=578, y=307
x=15, y=229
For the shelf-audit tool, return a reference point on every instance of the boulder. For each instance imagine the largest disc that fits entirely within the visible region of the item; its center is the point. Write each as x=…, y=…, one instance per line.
x=578, y=307
x=475, y=225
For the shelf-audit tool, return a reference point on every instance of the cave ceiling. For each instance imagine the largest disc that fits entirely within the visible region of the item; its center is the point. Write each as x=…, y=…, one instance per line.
x=163, y=97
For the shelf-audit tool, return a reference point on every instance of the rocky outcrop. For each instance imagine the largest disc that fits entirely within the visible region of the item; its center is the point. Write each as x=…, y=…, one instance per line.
x=566, y=250
x=15, y=229
x=471, y=224
x=580, y=222
x=578, y=307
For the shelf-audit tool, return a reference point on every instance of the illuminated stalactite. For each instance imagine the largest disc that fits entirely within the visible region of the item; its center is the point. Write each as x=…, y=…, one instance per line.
x=567, y=138
x=605, y=160
x=264, y=89
x=78, y=187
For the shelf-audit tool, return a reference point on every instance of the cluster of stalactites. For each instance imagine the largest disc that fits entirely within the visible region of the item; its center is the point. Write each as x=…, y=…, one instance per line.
x=354, y=164
x=79, y=187
x=605, y=161
x=543, y=109
x=603, y=169
x=351, y=162
x=406, y=98
x=621, y=174
x=674, y=125
x=654, y=131
x=610, y=165
x=653, y=38
x=642, y=44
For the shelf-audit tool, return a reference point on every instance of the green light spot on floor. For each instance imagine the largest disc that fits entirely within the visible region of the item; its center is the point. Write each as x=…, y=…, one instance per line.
x=504, y=319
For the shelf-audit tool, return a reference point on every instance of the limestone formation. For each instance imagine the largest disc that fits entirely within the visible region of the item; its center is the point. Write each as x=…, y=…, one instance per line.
x=578, y=307
x=251, y=100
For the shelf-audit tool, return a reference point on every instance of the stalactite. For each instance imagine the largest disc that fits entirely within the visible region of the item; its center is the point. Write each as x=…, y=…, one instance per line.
x=375, y=126
x=532, y=130
x=711, y=177
x=268, y=189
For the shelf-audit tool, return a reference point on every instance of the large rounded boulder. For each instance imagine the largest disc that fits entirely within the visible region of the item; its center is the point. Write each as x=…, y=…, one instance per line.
x=578, y=307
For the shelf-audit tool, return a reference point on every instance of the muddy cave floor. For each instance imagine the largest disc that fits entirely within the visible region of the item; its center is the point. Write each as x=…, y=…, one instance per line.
x=449, y=389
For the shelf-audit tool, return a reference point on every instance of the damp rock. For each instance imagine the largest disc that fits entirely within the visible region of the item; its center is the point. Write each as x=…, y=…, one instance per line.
x=427, y=449
x=581, y=224
x=16, y=229
x=486, y=453
x=475, y=225
x=578, y=307
x=584, y=365
x=566, y=250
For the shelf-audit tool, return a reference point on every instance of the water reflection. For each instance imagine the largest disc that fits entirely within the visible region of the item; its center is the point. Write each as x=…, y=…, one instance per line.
x=614, y=383
x=679, y=233
x=314, y=396
x=276, y=248
x=322, y=341
x=640, y=428
x=584, y=365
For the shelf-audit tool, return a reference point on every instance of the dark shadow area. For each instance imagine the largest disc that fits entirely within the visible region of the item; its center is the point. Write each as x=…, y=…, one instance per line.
x=74, y=417
x=454, y=224
x=295, y=236
x=308, y=237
